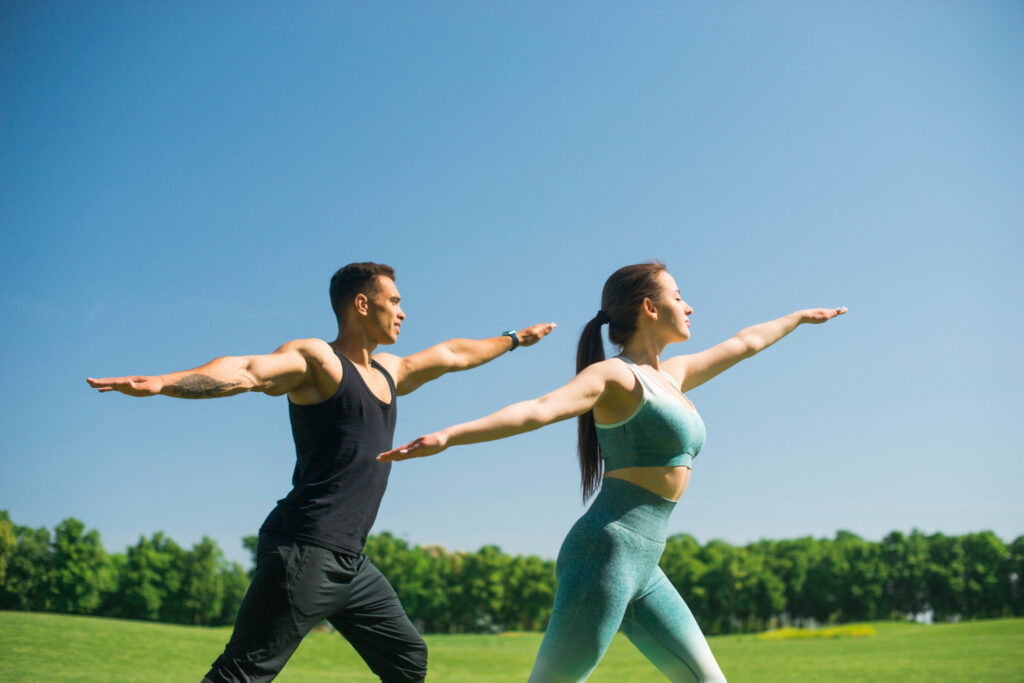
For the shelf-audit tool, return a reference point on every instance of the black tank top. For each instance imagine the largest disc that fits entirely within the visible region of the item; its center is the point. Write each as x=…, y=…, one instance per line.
x=338, y=483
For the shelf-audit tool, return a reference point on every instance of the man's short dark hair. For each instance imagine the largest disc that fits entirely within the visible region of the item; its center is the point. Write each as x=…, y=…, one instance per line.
x=356, y=278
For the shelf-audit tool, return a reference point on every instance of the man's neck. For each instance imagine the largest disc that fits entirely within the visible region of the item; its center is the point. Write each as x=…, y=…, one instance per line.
x=356, y=345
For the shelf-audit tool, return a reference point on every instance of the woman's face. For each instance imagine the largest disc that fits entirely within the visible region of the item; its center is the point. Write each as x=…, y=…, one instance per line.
x=673, y=312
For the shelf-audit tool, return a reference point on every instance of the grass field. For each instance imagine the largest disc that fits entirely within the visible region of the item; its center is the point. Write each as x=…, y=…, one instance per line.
x=48, y=647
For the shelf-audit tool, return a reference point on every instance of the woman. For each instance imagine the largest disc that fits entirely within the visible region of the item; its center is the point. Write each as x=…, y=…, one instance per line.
x=634, y=416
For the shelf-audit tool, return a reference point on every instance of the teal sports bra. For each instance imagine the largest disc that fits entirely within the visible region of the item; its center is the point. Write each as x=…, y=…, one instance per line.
x=661, y=432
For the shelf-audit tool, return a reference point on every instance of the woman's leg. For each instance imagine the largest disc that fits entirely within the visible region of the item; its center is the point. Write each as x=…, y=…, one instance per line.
x=662, y=627
x=596, y=579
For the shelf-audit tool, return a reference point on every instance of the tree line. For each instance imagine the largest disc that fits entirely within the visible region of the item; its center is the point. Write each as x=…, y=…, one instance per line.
x=729, y=588
x=155, y=579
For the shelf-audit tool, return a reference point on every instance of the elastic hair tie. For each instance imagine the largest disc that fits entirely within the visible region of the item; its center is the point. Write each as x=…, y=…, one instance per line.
x=602, y=318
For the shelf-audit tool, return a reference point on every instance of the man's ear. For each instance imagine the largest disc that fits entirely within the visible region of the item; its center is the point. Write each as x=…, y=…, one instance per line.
x=362, y=304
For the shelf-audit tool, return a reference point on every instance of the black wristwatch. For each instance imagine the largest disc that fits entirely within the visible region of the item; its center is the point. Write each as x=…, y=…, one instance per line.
x=515, y=338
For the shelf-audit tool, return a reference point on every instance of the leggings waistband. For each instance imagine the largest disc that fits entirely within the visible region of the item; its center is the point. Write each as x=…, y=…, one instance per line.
x=633, y=506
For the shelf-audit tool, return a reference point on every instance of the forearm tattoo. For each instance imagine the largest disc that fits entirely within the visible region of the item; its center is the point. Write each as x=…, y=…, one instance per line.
x=199, y=386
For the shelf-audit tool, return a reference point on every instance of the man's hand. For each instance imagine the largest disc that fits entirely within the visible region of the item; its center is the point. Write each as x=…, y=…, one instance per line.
x=528, y=336
x=132, y=386
x=412, y=372
x=274, y=374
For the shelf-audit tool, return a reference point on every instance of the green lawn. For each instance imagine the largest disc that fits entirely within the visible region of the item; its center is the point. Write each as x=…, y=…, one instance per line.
x=35, y=647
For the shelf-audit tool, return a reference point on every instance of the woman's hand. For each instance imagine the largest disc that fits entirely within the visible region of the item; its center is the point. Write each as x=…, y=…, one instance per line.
x=816, y=316
x=430, y=444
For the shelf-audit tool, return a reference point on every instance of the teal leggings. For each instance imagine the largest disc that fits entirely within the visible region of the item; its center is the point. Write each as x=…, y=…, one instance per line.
x=608, y=578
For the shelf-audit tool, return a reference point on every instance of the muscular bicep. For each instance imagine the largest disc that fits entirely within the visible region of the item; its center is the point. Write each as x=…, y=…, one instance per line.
x=280, y=372
x=697, y=368
x=411, y=372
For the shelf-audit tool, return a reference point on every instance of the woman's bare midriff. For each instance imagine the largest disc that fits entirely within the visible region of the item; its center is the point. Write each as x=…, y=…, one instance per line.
x=667, y=482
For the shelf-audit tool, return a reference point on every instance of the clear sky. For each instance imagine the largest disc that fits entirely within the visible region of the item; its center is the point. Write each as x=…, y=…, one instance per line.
x=178, y=181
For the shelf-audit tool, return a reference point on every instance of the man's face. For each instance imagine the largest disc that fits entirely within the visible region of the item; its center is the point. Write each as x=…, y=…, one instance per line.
x=384, y=311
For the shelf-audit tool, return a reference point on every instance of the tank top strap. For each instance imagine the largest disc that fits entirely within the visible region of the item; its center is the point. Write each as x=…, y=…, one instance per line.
x=348, y=369
x=388, y=377
x=645, y=380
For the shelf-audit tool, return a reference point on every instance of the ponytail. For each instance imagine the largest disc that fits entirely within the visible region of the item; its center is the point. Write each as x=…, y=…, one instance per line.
x=590, y=351
x=623, y=294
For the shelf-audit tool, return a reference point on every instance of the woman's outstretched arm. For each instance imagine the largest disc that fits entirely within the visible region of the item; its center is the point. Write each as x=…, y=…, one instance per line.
x=570, y=400
x=695, y=369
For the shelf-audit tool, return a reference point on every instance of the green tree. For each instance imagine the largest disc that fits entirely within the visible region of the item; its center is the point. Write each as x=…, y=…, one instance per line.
x=426, y=574
x=200, y=590
x=479, y=594
x=79, y=569
x=861, y=589
x=742, y=590
x=792, y=561
x=767, y=591
x=150, y=574
x=1014, y=573
x=530, y=593
x=26, y=584
x=8, y=545
x=945, y=576
x=111, y=605
x=906, y=588
x=986, y=593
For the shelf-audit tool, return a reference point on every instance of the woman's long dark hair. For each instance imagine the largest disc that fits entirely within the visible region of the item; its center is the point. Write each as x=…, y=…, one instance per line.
x=623, y=294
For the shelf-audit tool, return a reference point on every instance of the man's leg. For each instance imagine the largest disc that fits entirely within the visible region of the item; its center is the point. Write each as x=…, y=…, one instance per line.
x=270, y=624
x=376, y=625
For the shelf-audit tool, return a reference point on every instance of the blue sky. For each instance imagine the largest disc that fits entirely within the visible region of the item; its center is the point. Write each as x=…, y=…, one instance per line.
x=179, y=181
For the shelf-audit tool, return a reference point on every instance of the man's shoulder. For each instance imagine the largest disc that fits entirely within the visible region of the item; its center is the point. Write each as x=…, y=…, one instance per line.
x=312, y=344
x=389, y=362
x=317, y=352
x=323, y=367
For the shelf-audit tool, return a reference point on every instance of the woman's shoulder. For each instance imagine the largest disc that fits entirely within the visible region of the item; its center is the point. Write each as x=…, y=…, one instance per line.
x=614, y=370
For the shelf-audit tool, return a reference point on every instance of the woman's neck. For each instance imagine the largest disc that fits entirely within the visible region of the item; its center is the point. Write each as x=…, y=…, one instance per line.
x=644, y=349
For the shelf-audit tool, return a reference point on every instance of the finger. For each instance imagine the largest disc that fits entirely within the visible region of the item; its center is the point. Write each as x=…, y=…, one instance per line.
x=535, y=333
x=396, y=451
x=395, y=455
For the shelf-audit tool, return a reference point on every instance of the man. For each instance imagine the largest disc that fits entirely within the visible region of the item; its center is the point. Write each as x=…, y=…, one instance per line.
x=342, y=405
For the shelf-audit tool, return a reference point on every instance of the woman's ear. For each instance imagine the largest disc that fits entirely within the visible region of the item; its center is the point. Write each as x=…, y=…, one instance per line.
x=650, y=309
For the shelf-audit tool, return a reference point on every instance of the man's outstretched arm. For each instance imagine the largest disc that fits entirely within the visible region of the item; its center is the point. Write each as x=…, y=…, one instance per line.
x=413, y=371
x=275, y=374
